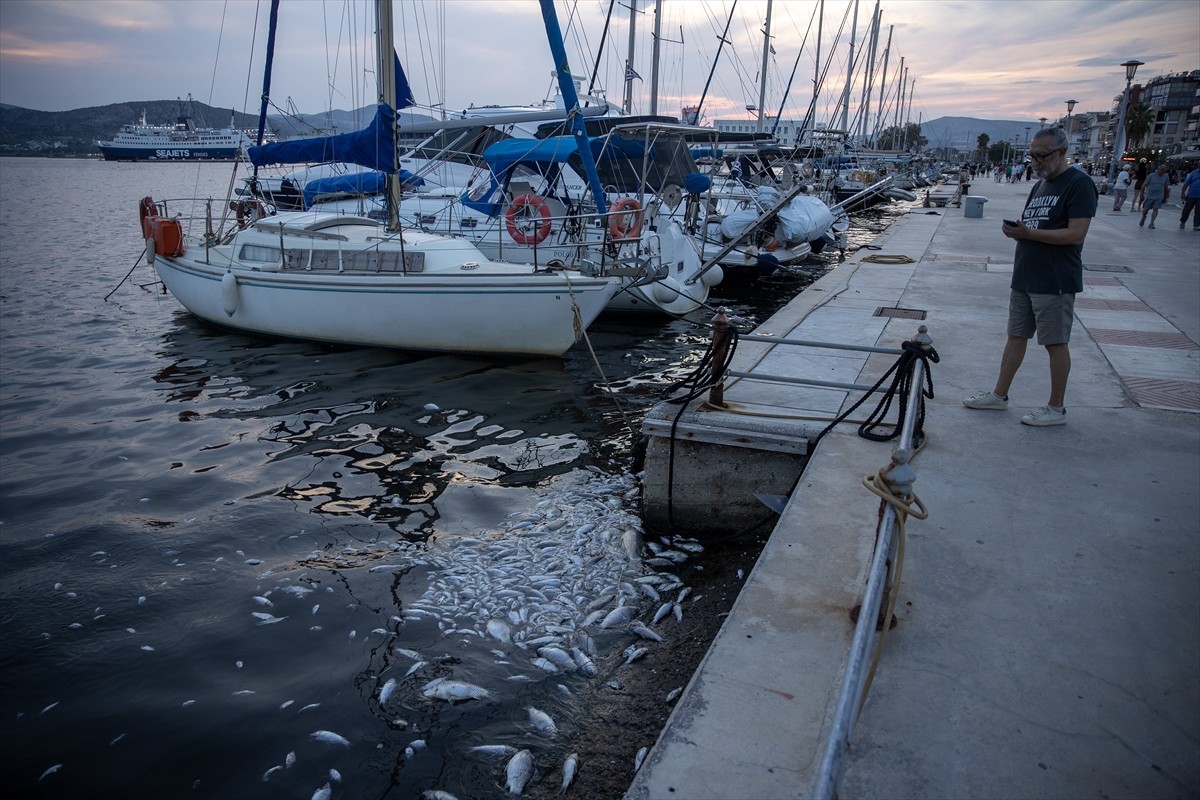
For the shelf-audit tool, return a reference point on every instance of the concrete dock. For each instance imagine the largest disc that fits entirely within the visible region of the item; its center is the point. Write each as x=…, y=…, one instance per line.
x=1048, y=643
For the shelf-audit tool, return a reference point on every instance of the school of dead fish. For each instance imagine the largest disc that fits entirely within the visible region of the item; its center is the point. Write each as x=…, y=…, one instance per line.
x=562, y=590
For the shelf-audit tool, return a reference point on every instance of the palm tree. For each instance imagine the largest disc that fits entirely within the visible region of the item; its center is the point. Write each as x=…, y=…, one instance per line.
x=981, y=144
x=1139, y=120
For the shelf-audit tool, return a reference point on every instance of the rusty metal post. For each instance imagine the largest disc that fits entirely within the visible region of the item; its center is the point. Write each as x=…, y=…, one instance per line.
x=720, y=326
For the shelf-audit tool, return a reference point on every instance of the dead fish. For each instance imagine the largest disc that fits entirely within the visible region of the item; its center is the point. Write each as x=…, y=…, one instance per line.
x=545, y=664
x=678, y=612
x=267, y=774
x=519, y=771
x=453, y=690
x=618, y=616
x=290, y=759
x=262, y=601
x=570, y=766
x=633, y=653
x=266, y=619
x=493, y=750
x=674, y=694
x=663, y=610
x=51, y=771
x=324, y=793
x=644, y=632
x=329, y=737
x=542, y=722
x=560, y=658
x=385, y=693
x=584, y=662
x=437, y=794
x=499, y=629
x=639, y=758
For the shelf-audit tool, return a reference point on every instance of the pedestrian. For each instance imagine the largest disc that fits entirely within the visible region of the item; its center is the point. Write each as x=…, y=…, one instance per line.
x=1139, y=185
x=1155, y=190
x=1190, y=194
x=1123, y=182
x=964, y=183
x=1047, y=274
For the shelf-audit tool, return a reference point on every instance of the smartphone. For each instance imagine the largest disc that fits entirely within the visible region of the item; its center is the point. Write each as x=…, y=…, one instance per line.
x=1010, y=222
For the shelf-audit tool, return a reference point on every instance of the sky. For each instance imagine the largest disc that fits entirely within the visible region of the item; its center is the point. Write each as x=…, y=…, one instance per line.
x=990, y=59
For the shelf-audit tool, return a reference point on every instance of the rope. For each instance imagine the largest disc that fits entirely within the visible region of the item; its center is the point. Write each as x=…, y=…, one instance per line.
x=581, y=333
x=901, y=384
x=695, y=385
x=885, y=258
x=127, y=274
x=905, y=506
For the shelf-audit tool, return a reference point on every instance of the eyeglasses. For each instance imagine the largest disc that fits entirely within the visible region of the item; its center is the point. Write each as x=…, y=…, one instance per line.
x=1044, y=156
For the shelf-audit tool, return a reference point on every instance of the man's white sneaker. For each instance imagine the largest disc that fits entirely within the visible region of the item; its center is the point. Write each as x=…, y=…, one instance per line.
x=988, y=399
x=1045, y=416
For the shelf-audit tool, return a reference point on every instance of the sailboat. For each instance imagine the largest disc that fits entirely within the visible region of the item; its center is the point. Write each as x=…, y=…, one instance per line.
x=355, y=280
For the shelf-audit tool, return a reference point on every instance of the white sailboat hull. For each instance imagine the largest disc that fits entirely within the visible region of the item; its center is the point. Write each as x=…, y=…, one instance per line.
x=461, y=302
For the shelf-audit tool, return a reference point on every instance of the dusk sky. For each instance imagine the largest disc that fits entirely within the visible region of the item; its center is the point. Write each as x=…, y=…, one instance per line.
x=992, y=59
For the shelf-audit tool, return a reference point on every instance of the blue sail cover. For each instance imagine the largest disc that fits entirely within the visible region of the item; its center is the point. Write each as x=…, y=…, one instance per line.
x=373, y=147
x=358, y=183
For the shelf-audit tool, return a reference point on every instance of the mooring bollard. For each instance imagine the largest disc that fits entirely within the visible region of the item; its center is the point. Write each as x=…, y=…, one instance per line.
x=720, y=345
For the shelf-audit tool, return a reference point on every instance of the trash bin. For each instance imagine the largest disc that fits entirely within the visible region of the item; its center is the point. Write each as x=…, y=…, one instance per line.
x=973, y=207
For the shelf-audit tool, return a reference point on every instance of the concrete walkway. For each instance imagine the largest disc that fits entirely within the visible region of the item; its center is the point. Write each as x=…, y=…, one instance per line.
x=1049, y=636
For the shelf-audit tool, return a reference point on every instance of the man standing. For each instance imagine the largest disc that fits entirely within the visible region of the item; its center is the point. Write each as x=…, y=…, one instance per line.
x=1190, y=193
x=1157, y=186
x=1047, y=274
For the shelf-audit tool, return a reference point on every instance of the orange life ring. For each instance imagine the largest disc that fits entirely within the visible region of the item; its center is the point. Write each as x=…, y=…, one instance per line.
x=147, y=213
x=248, y=212
x=625, y=219
x=523, y=209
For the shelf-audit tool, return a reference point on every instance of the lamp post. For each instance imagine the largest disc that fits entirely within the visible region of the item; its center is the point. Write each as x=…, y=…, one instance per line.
x=1043, y=121
x=1070, y=108
x=1119, y=147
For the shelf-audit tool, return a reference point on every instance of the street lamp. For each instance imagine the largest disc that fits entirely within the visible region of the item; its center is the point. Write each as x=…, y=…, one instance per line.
x=1119, y=148
x=1070, y=108
x=1043, y=121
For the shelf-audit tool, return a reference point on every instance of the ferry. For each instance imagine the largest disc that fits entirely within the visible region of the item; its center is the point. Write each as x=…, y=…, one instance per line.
x=182, y=141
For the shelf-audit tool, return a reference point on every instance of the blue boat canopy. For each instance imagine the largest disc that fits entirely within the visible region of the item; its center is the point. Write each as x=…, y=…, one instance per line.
x=358, y=183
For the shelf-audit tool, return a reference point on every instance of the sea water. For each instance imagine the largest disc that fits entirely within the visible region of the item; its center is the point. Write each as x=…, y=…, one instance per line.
x=215, y=547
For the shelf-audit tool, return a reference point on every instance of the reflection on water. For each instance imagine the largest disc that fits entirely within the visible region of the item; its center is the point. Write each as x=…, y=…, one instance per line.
x=215, y=544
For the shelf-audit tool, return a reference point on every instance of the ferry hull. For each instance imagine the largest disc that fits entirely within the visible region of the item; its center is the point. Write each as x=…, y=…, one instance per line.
x=205, y=153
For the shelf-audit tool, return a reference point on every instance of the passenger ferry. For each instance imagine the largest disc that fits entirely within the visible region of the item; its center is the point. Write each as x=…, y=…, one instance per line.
x=182, y=141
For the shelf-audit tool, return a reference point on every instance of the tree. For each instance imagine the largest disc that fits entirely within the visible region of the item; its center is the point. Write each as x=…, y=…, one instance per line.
x=981, y=146
x=896, y=137
x=1139, y=120
x=997, y=152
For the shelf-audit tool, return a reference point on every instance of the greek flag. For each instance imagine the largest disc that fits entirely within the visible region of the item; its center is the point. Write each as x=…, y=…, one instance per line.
x=772, y=49
x=630, y=74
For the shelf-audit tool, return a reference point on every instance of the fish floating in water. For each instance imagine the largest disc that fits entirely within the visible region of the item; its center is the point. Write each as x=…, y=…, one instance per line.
x=454, y=690
x=542, y=722
x=329, y=737
x=569, y=768
x=518, y=772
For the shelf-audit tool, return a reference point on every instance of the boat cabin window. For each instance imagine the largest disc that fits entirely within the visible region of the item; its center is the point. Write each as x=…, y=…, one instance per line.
x=259, y=253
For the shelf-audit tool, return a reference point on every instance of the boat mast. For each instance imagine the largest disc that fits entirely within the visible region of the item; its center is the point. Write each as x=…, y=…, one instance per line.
x=869, y=85
x=849, y=75
x=386, y=75
x=724, y=40
x=600, y=49
x=887, y=51
x=762, y=83
x=654, y=59
x=566, y=85
x=266, y=91
x=629, y=73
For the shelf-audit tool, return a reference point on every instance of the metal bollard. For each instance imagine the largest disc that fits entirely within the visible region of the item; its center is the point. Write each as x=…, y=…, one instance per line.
x=720, y=326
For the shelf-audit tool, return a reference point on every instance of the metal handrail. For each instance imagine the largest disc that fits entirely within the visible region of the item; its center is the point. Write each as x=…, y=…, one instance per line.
x=900, y=477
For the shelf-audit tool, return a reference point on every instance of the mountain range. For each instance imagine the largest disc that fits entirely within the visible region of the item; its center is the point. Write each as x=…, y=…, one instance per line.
x=25, y=131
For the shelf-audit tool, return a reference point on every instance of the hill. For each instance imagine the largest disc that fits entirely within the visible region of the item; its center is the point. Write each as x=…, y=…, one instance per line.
x=27, y=132
x=963, y=132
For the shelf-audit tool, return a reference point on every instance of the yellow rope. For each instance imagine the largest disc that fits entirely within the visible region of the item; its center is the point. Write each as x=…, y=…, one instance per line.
x=885, y=258
x=905, y=506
